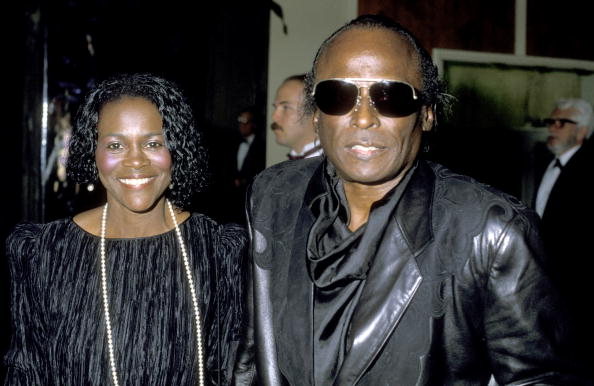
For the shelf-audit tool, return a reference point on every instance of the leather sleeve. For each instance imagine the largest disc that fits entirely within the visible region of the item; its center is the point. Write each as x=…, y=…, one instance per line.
x=257, y=359
x=244, y=371
x=524, y=331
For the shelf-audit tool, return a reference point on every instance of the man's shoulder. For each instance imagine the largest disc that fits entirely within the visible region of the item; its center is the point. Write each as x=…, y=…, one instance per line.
x=279, y=191
x=287, y=175
x=468, y=196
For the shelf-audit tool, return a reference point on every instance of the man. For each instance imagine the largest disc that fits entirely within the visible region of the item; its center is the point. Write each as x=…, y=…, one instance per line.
x=291, y=126
x=375, y=267
x=250, y=160
x=565, y=201
x=251, y=149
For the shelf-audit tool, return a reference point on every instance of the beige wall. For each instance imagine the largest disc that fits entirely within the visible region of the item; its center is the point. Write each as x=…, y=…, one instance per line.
x=308, y=22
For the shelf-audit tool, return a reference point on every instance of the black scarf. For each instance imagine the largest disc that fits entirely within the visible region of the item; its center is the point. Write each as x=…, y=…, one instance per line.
x=338, y=261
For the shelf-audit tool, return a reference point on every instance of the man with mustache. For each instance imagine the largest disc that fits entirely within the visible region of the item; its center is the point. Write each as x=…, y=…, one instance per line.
x=291, y=126
x=373, y=266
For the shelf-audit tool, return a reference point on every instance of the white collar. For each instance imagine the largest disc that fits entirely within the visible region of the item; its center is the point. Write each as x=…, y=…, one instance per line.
x=305, y=149
x=566, y=156
x=250, y=138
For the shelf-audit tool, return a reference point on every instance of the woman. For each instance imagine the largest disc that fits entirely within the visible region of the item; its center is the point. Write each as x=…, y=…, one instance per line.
x=112, y=295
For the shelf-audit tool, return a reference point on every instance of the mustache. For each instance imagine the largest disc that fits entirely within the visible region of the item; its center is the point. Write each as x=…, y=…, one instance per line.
x=275, y=126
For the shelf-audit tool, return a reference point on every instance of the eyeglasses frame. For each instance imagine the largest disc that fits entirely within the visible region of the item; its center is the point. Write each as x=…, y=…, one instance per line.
x=562, y=122
x=371, y=82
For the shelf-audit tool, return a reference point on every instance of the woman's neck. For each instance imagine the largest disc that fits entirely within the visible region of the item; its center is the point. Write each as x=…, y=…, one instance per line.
x=124, y=223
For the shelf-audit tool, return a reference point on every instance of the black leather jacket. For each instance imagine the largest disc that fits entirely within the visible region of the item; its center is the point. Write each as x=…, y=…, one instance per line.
x=458, y=294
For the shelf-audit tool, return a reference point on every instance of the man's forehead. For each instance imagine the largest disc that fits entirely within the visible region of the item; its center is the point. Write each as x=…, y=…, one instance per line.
x=564, y=113
x=290, y=90
x=377, y=53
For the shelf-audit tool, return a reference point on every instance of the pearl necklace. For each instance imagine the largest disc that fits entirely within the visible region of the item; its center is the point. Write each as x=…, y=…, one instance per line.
x=188, y=271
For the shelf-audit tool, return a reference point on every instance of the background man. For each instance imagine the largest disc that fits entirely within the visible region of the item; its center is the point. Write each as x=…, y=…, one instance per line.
x=250, y=150
x=249, y=160
x=374, y=267
x=291, y=126
x=565, y=201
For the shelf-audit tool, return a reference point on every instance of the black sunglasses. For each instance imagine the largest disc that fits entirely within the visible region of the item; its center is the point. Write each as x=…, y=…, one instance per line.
x=391, y=98
x=557, y=121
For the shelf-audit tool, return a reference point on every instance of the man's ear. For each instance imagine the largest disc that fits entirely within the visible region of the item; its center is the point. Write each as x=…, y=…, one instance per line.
x=427, y=118
x=316, y=118
x=581, y=134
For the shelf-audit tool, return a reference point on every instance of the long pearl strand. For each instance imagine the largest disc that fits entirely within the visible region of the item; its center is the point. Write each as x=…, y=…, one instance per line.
x=188, y=271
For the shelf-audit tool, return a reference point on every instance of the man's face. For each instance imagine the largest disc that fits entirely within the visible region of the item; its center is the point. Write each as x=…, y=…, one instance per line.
x=290, y=126
x=365, y=146
x=564, y=136
x=246, y=124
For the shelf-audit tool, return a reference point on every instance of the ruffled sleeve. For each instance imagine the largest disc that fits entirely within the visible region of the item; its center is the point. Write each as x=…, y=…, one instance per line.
x=231, y=253
x=25, y=359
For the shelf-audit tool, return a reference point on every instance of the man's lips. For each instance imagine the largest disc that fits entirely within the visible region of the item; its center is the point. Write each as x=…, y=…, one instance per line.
x=365, y=151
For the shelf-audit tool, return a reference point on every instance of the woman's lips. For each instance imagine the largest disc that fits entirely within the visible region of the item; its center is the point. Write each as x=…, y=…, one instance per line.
x=135, y=182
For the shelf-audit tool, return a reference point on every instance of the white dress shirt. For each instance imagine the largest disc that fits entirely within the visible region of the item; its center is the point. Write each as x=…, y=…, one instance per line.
x=549, y=178
x=307, y=148
x=244, y=146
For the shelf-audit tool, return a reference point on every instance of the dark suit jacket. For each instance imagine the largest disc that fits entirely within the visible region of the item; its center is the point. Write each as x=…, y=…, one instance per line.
x=456, y=292
x=568, y=231
x=232, y=195
x=255, y=160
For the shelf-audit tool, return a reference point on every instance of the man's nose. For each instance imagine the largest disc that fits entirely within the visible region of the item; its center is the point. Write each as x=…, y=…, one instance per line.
x=364, y=115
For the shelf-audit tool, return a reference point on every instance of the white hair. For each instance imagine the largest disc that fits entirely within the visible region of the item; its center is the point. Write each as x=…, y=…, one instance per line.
x=584, y=116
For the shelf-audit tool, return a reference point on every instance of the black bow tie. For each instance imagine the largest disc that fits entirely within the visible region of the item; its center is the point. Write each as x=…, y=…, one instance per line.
x=558, y=164
x=310, y=151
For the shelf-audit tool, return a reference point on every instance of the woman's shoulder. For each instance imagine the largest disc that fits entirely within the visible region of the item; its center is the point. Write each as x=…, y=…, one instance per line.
x=228, y=236
x=199, y=220
x=29, y=231
x=26, y=237
x=90, y=220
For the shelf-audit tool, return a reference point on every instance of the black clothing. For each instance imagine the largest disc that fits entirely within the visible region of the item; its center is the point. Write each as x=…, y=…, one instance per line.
x=567, y=234
x=456, y=290
x=59, y=335
x=338, y=262
x=254, y=162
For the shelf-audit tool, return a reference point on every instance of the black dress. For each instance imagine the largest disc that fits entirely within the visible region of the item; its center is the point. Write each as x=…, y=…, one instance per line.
x=59, y=335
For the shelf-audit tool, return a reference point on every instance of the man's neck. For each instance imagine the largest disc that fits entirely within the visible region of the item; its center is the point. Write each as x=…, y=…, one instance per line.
x=249, y=138
x=567, y=154
x=360, y=198
x=303, y=146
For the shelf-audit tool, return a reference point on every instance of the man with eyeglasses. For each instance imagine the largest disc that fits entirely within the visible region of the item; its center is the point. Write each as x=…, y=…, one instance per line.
x=565, y=201
x=372, y=266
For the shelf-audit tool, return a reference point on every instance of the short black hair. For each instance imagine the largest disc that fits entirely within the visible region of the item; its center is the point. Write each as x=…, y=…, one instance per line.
x=432, y=93
x=182, y=137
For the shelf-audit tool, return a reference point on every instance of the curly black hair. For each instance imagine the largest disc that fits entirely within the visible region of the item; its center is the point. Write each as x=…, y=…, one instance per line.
x=433, y=89
x=182, y=137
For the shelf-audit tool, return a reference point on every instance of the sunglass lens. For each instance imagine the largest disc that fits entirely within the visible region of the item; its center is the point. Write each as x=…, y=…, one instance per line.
x=335, y=97
x=394, y=99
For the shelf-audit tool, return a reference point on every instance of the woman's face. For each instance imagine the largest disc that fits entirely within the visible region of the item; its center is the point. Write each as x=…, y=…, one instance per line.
x=133, y=163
